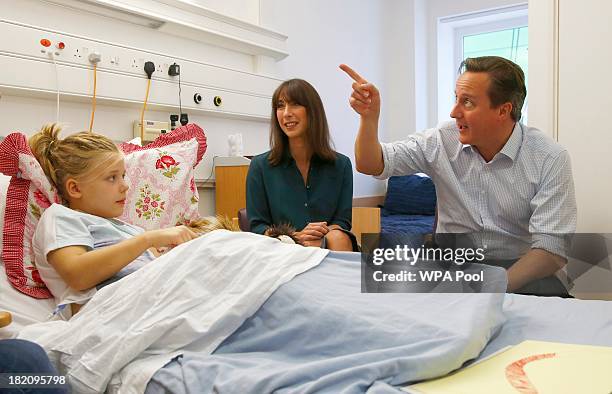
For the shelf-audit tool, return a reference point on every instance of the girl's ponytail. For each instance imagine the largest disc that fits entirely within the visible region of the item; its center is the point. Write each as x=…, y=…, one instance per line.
x=43, y=145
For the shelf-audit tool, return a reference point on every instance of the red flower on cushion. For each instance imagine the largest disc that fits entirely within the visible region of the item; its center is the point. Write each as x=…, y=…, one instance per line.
x=168, y=161
x=41, y=199
x=154, y=204
x=192, y=185
x=145, y=208
x=147, y=200
x=168, y=166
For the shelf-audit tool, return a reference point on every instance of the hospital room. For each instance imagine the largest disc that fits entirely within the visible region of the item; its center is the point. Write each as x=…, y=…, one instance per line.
x=268, y=196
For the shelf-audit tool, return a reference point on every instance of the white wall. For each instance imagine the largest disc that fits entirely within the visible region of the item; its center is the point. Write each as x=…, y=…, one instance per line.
x=420, y=64
x=582, y=90
x=542, y=53
x=399, y=69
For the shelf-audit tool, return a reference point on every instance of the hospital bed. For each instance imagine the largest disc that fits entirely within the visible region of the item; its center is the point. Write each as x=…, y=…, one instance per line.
x=319, y=333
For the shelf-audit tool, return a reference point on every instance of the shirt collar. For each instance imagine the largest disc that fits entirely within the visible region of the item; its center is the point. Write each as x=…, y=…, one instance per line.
x=287, y=159
x=512, y=146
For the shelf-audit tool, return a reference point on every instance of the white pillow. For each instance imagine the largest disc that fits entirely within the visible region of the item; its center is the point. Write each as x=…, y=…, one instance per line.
x=25, y=310
x=4, y=182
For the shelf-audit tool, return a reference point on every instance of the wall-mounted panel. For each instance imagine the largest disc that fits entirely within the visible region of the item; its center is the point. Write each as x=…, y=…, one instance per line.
x=30, y=69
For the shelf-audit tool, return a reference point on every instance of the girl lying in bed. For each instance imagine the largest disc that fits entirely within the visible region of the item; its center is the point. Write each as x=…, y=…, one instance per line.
x=80, y=245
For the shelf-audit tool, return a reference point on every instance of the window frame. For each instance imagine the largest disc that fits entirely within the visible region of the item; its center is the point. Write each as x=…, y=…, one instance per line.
x=461, y=32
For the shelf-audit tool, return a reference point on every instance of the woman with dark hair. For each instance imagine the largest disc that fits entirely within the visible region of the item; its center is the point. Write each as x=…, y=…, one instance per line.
x=302, y=181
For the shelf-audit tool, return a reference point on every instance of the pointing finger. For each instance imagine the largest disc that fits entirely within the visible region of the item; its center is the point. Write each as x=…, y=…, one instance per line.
x=352, y=73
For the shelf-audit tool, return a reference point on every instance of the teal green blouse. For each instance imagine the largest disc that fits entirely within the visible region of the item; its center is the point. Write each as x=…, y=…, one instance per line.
x=277, y=194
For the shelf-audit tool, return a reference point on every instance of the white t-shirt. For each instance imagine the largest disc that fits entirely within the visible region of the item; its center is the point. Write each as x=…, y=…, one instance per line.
x=60, y=227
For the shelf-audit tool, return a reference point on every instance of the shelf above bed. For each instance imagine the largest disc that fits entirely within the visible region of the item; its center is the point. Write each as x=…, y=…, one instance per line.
x=189, y=20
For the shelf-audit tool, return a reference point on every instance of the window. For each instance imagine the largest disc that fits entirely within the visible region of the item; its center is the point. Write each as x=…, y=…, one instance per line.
x=500, y=32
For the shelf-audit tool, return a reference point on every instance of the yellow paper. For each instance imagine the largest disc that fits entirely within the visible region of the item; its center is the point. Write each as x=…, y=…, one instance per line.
x=547, y=367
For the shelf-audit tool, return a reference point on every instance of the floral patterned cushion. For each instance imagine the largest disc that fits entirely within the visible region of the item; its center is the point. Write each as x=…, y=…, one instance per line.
x=162, y=193
x=29, y=193
x=161, y=178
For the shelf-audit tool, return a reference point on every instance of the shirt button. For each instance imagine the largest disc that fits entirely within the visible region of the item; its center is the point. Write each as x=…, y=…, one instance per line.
x=305, y=204
x=308, y=187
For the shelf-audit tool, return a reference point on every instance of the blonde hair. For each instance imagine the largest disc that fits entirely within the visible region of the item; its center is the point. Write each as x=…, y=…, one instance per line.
x=75, y=156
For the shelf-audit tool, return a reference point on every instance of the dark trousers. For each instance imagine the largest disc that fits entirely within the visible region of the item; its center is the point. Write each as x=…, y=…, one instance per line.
x=550, y=286
x=19, y=356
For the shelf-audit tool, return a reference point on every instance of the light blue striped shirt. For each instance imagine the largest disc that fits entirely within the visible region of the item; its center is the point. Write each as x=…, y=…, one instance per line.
x=523, y=198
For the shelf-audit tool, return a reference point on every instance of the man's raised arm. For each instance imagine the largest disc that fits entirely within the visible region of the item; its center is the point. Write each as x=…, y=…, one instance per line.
x=365, y=100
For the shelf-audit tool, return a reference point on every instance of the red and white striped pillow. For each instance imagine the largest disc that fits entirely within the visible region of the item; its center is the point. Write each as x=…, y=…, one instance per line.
x=28, y=195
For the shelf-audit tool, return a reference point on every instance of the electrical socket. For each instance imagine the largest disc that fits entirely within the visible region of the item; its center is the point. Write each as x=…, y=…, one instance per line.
x=174, y=70
x=94, y=57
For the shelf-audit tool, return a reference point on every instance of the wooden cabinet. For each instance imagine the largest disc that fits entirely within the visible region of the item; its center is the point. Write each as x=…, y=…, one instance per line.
x=230, y=186
x=365, y=220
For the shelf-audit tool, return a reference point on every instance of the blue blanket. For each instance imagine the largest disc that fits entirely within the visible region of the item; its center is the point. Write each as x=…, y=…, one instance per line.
x=319, y=333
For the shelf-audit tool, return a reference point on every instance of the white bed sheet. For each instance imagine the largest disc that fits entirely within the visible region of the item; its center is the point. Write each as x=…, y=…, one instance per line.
x=25, y=309
x=189, y=299
x=538, y=318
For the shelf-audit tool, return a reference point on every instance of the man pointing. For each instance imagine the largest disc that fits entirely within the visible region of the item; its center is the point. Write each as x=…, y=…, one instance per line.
x=508, y=184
